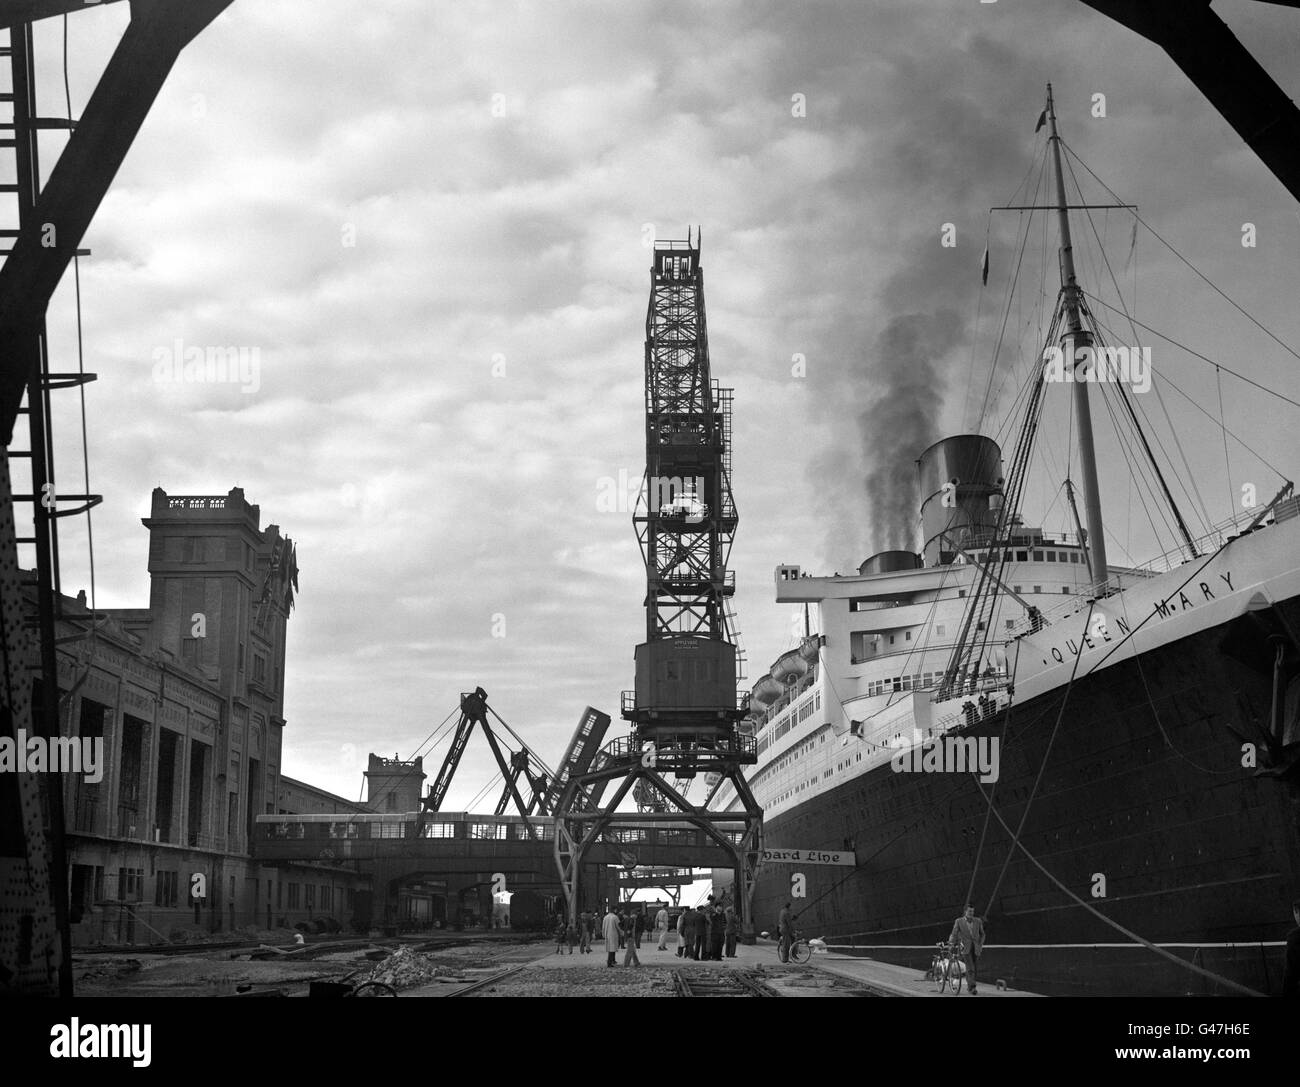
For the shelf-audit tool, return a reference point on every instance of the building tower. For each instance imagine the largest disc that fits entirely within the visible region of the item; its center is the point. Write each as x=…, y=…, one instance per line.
x=684, y=709
x=220, y=593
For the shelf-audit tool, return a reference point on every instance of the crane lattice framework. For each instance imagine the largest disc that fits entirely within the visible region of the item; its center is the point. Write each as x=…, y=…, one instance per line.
x=684, y=711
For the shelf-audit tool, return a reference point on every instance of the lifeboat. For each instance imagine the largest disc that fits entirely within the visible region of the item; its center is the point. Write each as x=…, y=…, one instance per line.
x=789, y=666
x=810, y=648
x=766, y=691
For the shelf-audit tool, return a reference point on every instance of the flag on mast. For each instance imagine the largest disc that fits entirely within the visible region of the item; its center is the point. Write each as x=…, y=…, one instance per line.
x=984, y=267
x=1042, y=120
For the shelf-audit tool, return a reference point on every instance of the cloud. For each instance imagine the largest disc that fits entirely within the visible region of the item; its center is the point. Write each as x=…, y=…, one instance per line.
x=336, y=189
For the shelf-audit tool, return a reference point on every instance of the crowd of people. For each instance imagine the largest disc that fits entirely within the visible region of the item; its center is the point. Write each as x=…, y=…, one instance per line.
x=708, y=931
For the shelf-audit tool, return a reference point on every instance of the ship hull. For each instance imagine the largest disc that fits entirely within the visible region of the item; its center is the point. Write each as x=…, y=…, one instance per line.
x=1144, y=811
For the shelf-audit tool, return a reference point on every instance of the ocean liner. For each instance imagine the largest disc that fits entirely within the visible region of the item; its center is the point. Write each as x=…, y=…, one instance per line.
x=1102, y=759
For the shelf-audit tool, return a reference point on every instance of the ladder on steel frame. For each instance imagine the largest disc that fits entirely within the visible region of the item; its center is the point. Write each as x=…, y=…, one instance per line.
x=35, y=883
x=18, y=137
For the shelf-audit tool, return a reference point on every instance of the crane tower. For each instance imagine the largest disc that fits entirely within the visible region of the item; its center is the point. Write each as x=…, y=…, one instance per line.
x=684, y=709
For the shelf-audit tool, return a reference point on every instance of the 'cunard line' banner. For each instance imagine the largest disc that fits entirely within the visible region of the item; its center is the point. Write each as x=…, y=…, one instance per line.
x=808, y=856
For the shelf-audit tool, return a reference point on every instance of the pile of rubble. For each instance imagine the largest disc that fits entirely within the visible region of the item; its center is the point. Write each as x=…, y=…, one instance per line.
x=404, y=969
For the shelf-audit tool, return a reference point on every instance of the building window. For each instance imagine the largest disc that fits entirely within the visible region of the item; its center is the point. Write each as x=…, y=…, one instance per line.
x=259, y=668
x=389, y=828
x=1065, y=588
x=392, y=801
x=192, y=651
x=908, y=636
x=440, y=830
x=939, y=630
x=294, y=892
x=165, y=888
x=487, y=830
x=1038, y=588
x=1038, y=556
x=1018, y=588
x=309, y=895
x=961, y=592
x=130, y=882
x=241, y=656
x=1051, y=556
x=1022, y=556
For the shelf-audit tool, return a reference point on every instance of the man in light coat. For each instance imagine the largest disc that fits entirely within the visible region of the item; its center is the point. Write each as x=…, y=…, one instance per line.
x=968, y=939
x=661, y=923
x=609, y=929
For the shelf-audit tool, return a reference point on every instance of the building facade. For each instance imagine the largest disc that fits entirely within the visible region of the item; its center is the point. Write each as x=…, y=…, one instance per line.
x=186, y=699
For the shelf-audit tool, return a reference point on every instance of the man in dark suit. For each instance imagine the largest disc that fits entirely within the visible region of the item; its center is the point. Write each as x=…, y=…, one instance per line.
x=967, y=939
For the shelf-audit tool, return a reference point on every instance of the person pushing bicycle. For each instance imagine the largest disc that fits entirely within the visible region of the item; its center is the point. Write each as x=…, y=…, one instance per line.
x=967, y=941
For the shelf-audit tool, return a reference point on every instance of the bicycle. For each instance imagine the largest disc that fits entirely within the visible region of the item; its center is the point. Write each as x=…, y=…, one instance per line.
x=345, y=988
x=947, y=968
x=800, y=949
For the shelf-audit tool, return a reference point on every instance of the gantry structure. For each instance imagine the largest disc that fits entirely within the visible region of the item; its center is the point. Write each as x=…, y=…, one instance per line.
x=684, y=710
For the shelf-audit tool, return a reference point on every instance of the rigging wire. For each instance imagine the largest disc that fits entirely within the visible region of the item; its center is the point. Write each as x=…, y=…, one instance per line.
x=1006, y=313
x=1281, y=343
x=1193, y=498
x=1223, y=429
x=1156, y=948
x=1194, y=354
x=411, y=769
x=96, y=619
x=1042, y=766
x=1158, y=377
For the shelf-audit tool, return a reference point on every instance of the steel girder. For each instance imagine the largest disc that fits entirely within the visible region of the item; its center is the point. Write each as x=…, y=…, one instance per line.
x=576, y=830
x=154, y=38
x=1210, y=55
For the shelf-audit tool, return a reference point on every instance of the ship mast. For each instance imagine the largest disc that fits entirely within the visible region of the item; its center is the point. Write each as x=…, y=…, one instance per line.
x=1074, y=339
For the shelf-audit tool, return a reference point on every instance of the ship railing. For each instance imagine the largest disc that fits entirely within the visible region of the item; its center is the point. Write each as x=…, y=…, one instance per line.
x=628, y=703
x=686, y=745
x=1219, y=535
x=995, y=697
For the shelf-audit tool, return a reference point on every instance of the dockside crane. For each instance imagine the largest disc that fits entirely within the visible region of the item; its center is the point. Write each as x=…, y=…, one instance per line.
x=524, y=763
x=685, y=710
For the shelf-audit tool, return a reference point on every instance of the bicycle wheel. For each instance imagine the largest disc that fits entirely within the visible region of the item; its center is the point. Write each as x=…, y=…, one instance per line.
x=373, y=988
x=800, y=951
x=954, y=977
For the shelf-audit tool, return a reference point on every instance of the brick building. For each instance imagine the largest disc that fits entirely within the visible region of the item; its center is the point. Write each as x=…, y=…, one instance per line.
x=187, y=696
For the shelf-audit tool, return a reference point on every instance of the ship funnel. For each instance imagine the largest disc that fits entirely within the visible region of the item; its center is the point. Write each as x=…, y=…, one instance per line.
x=961, y=488
x=888, y=562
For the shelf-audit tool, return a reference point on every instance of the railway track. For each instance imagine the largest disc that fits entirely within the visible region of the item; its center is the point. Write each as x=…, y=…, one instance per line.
x=483, y=983
x=724, y=983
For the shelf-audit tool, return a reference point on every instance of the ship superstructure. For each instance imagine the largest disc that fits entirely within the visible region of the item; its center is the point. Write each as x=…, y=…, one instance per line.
x=1099, y=758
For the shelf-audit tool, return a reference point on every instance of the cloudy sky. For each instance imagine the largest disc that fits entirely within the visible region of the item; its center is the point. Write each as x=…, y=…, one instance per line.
x=429, y=219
